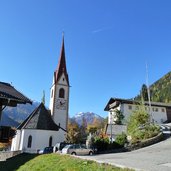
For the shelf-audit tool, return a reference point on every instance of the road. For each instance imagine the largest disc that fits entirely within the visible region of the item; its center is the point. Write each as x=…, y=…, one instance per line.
x=152, y=158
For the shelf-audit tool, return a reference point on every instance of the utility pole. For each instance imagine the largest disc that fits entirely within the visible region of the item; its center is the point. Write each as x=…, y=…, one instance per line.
x=149, y=98
x=111, y=123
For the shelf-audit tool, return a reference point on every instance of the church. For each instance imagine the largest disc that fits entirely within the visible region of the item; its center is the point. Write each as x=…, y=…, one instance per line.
x=43, y=127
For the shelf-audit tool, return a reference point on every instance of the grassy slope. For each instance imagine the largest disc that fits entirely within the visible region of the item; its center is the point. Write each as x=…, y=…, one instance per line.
x=53, y=162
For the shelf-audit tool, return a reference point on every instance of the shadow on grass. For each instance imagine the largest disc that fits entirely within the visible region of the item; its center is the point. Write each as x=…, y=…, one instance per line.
x=15, y=162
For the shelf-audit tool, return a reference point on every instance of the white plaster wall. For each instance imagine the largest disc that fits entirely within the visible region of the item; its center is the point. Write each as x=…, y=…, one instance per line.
x=16, y=141
x=61, y=81
x=159, y=116
x=61, y=116
x=52, y=96
x=40, y=139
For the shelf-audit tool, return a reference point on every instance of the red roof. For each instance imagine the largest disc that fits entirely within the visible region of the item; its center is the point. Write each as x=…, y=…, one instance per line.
x=61, y=68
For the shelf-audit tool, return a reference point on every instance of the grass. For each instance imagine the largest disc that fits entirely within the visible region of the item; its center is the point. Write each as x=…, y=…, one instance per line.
x=53, y=162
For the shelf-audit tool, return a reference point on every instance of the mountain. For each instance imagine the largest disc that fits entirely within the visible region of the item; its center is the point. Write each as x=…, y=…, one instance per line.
x=13, y=116
x=6, y=121
x=160, y=91
x=89, y=117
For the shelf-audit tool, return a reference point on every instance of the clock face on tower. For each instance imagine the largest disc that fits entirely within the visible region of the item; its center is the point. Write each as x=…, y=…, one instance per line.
x=61, y=104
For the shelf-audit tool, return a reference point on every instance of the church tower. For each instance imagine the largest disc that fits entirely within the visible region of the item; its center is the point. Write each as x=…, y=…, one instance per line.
x=59, y=94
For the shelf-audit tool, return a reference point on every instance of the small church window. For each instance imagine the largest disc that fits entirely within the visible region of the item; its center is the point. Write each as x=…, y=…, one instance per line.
x=50, y=141
x=29, y=141
x=61, y=93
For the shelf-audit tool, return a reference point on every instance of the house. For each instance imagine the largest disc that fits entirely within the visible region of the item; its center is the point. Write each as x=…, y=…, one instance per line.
x=45, y=128
x=159, y=113
x=9, y=96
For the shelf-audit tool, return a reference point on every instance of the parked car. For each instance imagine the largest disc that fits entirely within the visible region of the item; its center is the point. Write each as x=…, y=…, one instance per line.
x=77, y=149
x=46, y=150
x=59, y=146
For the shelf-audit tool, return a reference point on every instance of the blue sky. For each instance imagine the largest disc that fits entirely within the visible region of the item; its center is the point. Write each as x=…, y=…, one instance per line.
x=107, y=45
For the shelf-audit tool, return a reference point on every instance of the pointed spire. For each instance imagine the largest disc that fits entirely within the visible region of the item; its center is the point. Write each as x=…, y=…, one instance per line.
x=61, y=68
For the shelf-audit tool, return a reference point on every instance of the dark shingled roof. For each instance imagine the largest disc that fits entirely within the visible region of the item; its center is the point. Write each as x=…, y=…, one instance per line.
x=10, y=96
x=117, y=101
x=61, y=65
x=40, y=118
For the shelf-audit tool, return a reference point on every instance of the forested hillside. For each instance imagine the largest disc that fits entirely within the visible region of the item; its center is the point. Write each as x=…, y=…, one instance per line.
x=160, y=91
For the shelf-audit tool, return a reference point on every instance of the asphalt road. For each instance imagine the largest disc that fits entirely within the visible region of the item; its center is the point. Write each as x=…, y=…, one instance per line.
x=152, y=158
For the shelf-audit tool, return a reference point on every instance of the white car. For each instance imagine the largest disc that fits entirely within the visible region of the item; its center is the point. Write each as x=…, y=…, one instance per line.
x=77, y=149
x=59, y=146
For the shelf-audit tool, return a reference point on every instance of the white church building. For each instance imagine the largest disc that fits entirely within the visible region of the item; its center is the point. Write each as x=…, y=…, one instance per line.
x=44, y=128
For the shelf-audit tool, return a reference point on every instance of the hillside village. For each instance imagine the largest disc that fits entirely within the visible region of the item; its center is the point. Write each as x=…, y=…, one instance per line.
x=130, y=124
x=44, y=127
x=85, y=85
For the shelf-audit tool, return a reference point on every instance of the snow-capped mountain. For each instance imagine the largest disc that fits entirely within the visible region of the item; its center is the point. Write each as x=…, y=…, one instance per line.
x=88, y=116
x=13, y=116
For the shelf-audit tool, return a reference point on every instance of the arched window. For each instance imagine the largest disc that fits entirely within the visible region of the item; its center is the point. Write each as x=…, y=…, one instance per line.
x=29, y=141
x=50, y=141
x=61, y=93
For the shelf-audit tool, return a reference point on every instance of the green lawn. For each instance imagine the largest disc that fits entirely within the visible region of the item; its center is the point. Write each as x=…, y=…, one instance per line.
x=53, y=162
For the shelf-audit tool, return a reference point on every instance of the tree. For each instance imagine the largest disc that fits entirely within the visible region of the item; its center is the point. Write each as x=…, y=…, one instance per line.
x=73, y=135
x=97, y=126
x=119, y=116
x=137, y=119
x=144, y=92
x=43, y=97
x=83, y=131
x=139, y=127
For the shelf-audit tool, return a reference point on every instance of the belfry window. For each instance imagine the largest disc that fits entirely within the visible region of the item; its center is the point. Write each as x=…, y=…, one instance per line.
x=29, y=141
x=61, y=93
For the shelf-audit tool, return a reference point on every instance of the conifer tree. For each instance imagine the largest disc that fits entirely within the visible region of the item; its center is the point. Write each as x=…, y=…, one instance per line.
x=43, y=97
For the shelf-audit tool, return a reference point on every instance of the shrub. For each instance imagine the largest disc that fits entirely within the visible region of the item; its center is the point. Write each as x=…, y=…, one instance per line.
x=101, y=142
x=139, y=127
x=121, y=139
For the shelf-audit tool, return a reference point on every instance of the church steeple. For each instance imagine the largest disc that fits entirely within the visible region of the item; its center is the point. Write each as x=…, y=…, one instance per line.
x=59, y=98
x=61, y=68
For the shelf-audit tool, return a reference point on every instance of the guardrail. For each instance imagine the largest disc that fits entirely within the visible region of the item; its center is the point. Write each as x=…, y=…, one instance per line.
x=4, y=155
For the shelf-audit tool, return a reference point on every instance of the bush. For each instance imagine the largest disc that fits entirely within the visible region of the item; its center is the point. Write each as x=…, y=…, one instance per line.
x=121, y=139
x=139, y=127
x=101, y=143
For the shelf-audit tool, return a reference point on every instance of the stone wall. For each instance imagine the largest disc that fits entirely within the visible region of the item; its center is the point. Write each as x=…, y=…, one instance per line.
x=146, y=143
x=8, y=154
